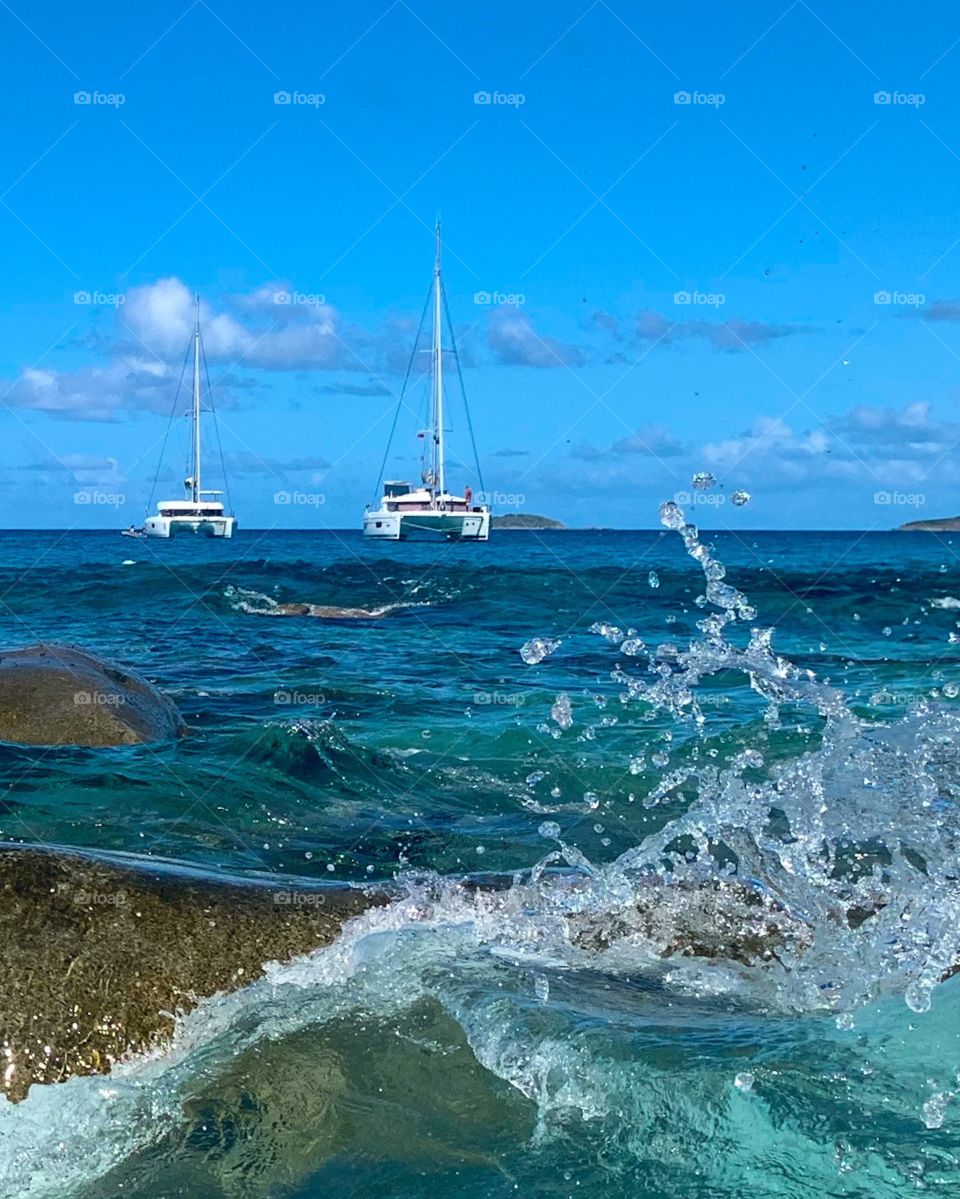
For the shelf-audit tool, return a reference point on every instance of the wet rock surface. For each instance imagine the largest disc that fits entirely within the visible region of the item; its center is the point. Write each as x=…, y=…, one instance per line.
x=97, y=957
x=61, y=695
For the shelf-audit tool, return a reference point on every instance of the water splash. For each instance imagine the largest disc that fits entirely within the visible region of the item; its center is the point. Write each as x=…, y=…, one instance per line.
x=854, y=841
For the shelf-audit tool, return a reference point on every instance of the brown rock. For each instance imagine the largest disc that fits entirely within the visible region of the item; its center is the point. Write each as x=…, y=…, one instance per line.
x=61, y=695
x=97, y=956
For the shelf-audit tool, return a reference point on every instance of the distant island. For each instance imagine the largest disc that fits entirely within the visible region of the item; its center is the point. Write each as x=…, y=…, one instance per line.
x=514, y=520
x=945, y=524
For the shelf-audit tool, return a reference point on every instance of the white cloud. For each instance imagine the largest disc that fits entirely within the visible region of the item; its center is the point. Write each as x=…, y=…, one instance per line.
x=654, y=441
x=286, y=335
x=515, y=342
x=868, y=447
x=88, y=470
x=95, y=393
x=867, y=443
x=732, y=335
x=142, y=359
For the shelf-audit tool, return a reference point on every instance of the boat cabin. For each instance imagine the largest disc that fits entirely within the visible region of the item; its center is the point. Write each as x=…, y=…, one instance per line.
x=189, y=508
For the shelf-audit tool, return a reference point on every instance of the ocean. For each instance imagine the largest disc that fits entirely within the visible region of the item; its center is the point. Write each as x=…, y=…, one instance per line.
x=774, y=713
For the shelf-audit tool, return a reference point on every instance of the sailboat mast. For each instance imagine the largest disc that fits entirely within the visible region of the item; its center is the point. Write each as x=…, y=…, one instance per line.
x=196, y=408
x=439, y=464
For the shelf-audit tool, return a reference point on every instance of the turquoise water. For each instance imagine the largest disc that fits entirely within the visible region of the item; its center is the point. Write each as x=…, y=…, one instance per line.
x=469, y=1044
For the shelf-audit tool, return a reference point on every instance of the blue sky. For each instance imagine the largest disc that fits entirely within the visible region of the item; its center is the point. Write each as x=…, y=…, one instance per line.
x=785, y=167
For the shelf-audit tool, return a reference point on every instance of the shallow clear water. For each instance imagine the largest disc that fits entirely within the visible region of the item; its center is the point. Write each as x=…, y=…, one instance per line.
x=482, y=1045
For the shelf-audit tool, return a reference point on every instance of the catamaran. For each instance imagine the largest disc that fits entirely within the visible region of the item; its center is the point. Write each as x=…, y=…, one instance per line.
x=203, y=510
x=430, y=510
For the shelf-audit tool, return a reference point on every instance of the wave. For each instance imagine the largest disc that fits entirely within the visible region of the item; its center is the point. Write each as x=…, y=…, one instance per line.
x=489, y=960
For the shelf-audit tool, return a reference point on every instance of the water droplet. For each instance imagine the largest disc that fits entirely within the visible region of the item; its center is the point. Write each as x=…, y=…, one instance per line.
x=562, y=711
x=671, y=516
x=608, y=631
x=935, y=1109
x=537, y=649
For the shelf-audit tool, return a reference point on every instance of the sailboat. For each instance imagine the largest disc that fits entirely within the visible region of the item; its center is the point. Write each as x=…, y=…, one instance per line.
x=430, y=510
x=203, y=510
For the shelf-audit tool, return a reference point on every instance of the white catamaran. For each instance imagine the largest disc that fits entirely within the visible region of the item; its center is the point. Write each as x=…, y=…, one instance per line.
x=202, y=511
x=430, y=511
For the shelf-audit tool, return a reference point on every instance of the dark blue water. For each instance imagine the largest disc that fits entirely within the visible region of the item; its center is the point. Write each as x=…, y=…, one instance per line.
x=431, y=1063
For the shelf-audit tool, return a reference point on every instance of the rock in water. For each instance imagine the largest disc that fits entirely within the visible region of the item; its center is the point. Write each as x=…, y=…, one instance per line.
x=62, y=695
x=96, y=955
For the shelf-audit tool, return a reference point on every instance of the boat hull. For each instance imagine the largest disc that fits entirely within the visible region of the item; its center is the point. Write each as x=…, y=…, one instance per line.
x=427, y=526
x=178, y=526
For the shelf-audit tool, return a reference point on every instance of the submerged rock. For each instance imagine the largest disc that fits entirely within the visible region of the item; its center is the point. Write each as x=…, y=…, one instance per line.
x=61, y=695
x=330, y=611
x=97, y=957
x=405, y=1090
x=718, y=920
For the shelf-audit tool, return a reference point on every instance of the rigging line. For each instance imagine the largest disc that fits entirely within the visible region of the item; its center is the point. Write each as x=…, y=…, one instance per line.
x=463, y=390
x=216, y=429
x=403, y=392
x=173, y=413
